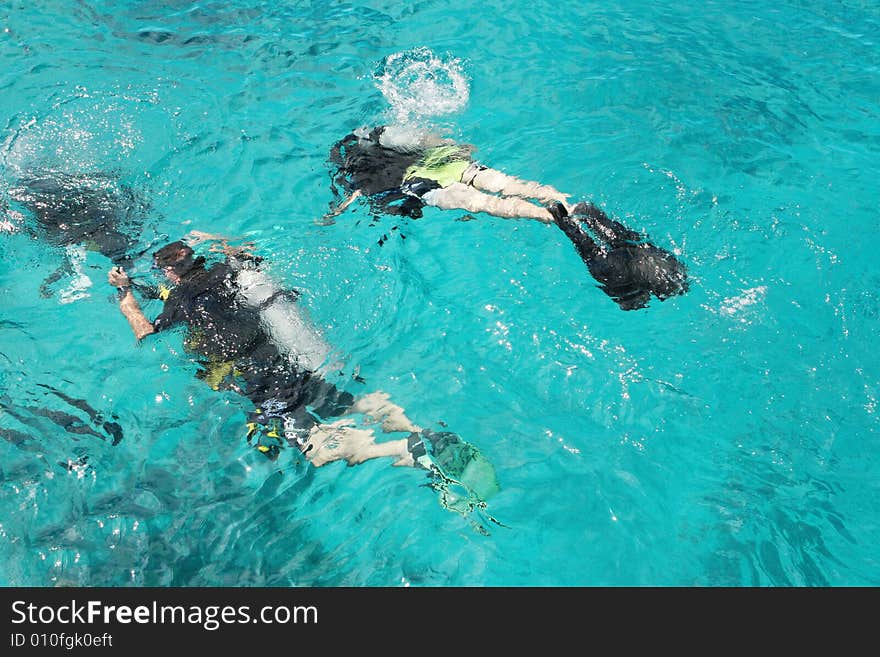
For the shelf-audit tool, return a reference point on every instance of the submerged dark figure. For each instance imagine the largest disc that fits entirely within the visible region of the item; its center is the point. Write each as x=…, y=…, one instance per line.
x=628, y=269
x=92, y=210
x=88, y=212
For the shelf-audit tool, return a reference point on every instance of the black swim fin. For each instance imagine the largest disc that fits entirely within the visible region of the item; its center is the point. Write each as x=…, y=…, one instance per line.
x=629, y=270
x=612, y=232
x=586, y=246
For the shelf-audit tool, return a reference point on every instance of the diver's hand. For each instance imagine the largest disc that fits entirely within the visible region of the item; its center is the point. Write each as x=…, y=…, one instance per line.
x=224, y=247
x=194, y=237
x=118, y=278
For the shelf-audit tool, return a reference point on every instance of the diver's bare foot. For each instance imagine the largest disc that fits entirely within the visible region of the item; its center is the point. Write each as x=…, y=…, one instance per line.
x=336, y=441
x=341, y=440
x=378, y=407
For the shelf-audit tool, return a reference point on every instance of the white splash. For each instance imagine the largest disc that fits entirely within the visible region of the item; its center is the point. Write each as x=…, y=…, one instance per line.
x=418, y=84
x=80, y=282
x=7, y=226
x=79, y=132
x=732, y=305
x=10, y=220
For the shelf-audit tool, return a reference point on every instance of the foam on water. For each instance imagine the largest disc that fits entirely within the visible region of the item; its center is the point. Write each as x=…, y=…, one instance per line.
x=419, y=85
x=75, y=134
x=79, y=280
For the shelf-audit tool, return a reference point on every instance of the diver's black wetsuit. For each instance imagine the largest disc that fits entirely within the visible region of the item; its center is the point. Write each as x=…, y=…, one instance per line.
x=237, y=352
x=362, y=163
x=94, y=211
x=91, y=211
x=628, y=269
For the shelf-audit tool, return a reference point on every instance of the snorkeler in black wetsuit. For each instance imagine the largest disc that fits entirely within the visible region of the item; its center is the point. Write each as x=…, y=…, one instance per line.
x=400, y=171
x=84, y=211
x=628, y=269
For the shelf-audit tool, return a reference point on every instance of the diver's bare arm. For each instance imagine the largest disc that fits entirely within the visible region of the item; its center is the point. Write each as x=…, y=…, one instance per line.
x=339, y=209
x=195, y=237
x=129, y=306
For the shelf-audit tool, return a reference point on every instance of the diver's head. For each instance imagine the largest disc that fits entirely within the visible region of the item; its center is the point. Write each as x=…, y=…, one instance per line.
x=176, y=260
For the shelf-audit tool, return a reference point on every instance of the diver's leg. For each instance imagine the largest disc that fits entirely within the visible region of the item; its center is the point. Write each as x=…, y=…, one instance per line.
x=492, y=180
x=459, y=196
x=378, y=407
x=46, y=286
x=341, y=440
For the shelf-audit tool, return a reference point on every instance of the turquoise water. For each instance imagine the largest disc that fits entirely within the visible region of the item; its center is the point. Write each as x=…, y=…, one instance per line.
x=727, y=437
